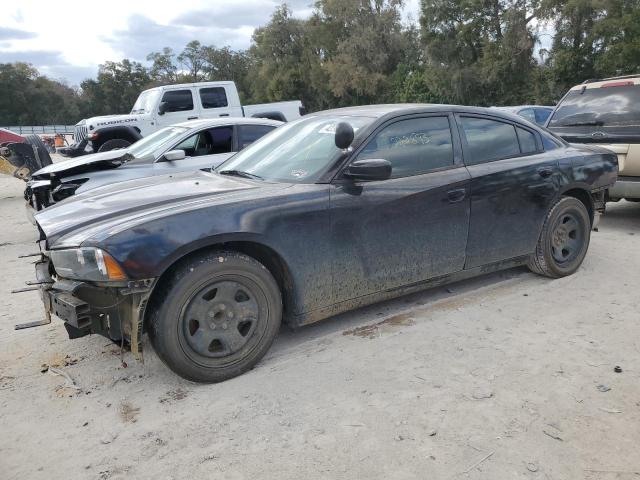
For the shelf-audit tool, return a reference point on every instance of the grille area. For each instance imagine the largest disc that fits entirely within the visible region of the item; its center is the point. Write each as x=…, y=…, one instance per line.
x=79, y=133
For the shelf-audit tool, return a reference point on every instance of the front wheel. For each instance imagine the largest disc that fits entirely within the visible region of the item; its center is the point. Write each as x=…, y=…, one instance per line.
x=215, y=317
x=564, y=239
x=114, y=144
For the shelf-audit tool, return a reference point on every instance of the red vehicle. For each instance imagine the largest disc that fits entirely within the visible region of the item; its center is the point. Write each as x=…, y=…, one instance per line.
x=21, y=156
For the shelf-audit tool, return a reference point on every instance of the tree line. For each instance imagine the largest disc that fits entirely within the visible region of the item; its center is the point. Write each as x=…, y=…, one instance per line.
x=473, y=52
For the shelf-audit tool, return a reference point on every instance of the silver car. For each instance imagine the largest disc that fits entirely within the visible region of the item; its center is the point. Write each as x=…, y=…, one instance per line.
x=188, y=146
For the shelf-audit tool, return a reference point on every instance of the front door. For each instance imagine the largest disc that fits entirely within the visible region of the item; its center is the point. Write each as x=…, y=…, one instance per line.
x=513, y=182
x=178, y=106
x=411, y=227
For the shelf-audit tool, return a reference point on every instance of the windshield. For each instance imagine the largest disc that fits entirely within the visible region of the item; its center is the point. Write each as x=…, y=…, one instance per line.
x=604, y=106
x=146, y=101
x=297, y=152
x=145, y=147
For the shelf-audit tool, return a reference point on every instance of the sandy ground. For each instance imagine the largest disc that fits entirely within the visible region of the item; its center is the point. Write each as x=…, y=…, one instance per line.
x=506, y=376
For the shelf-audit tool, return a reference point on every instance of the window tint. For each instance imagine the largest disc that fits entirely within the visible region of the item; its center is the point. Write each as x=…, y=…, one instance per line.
x=550, y=143
x=214, y=97
x=247, y=134
x=527, y=140
x=178, y=100
x=208, y=142
x=528, y=113
x=542, y=114
x=604, y=106
x=489, y=140
x=413, y=146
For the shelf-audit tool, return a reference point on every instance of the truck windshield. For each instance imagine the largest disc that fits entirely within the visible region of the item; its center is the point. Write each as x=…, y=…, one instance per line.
x=297, y=152
x=605, y=106
x=146, y=102
x=145, y=147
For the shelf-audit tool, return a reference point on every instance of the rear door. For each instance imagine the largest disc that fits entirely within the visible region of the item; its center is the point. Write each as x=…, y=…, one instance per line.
x=513, y=182
x=411, y=227
x=214, y=102
x=179, y=106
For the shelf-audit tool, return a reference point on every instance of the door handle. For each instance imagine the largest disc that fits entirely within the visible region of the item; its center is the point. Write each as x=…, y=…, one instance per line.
x=224, y=114
x=192, y=118
x=457, y=195
x=545, y=172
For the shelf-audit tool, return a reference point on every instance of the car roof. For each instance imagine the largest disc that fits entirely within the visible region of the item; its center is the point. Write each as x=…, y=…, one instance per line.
x=626, y=80
x=515, y=108
x=219, y=121
x=377, y=111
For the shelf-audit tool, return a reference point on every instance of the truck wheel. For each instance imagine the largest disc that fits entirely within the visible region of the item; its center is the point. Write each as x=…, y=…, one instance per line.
x=215, y=317
x=43, y=154
x=114, y=144
x=564, y=239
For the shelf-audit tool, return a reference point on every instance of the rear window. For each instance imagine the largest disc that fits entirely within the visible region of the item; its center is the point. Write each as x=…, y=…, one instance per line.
x=604, y=106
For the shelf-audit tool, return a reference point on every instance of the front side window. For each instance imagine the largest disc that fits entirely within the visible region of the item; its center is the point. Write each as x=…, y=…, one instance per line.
x=213, y=97
x=178, y=100
x=208, y=142
x=247, y=134
x=488, y=140
x=413, y=146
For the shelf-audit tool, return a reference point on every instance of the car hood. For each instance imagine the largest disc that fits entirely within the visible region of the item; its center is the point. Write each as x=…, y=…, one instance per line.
x=85, y=163
x=132, y=202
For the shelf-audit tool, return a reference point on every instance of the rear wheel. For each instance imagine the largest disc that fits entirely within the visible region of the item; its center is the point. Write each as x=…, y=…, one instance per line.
x=216, y=317
x=114, y=144
x=564, y=239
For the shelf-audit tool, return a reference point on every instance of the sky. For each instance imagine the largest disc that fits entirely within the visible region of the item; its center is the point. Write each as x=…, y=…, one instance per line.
x=68, y=40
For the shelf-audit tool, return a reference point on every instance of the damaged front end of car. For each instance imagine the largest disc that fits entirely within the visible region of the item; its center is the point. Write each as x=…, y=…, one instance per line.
x=89, y=292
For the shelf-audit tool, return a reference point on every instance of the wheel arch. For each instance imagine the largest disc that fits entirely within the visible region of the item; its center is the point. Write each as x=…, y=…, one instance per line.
x=583, y=194
x=246, y=244
x=129, y=133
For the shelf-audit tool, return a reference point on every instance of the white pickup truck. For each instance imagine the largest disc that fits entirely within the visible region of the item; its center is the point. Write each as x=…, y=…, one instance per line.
x=167, y=105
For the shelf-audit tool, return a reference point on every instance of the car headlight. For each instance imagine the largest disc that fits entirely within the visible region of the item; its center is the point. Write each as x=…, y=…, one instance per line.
x=88, y=263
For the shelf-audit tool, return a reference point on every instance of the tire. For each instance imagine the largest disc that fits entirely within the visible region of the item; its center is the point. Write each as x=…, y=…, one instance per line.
x=114, y=144
x=44, y=158
x=564, y=239
x=215, y=317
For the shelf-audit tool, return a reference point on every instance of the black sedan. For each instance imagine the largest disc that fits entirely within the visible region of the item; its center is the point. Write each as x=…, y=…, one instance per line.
x=337, y=210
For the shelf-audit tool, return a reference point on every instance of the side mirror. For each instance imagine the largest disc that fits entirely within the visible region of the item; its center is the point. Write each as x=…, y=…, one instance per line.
x=162, y=108
x=344, y=135
x=173, y=155
x=369, y=169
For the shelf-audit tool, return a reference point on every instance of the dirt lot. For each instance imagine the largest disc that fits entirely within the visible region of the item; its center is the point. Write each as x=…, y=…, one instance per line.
x=503, y=377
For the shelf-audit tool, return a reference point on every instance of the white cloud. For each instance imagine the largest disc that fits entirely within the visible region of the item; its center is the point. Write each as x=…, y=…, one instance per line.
x=71, y=39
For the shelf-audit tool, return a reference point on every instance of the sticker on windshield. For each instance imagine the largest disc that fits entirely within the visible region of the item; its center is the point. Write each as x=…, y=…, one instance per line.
x=298, y=173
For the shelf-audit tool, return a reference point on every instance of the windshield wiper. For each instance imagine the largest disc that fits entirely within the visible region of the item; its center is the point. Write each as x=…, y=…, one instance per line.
x=240, y=173
x=588, y=123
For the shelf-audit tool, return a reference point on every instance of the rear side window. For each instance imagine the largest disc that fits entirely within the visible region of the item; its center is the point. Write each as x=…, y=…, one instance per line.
x=413, y=146
x=527, y=140
x=489, y=140
x=247, y=134
x=178, y=100
x=213, y=97
x=604, y=106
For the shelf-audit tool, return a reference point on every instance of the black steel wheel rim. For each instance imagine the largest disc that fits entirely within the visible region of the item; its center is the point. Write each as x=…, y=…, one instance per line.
x=221, y=318
x=567, y=238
